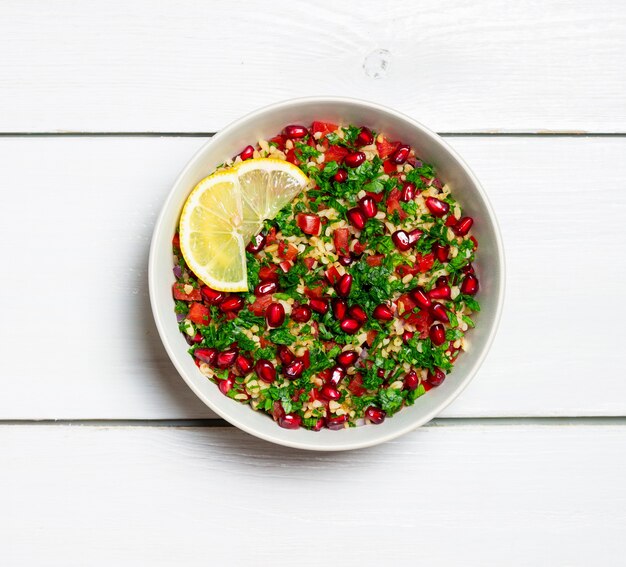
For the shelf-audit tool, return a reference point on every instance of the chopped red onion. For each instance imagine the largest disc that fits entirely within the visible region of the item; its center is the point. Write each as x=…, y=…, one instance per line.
x=180, y=317
x=178, y=272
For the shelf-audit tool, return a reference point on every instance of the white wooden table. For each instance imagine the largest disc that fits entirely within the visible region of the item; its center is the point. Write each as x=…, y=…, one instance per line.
x=107, y=458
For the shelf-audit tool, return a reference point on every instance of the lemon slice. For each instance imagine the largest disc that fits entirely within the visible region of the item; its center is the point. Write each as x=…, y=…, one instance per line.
x=226, y=209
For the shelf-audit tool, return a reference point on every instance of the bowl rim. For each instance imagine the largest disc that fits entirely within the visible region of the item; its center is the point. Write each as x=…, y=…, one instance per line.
x=420, y=419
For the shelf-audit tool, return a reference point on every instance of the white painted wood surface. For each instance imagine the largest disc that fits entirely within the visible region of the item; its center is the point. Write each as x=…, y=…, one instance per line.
x=194, y=66
x=77, y=332
x=474, y=495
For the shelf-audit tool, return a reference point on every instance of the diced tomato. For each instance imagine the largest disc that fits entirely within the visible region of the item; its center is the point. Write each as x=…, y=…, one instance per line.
x=425, y=263
x=356, y=385
x=309, y=262
x=286, y=265
x=378, y=197
x=371, y=337
x=291, y=157
x=359, y=248
x=269, y=273
x=260, y=305
x=375, y=260
x=323, y=127
x=263, y=342
x=306, y=358
x=335, y=153
x=332, y=275
x=341, y=237
x=407, y=303
x=393, y=203
x=176, y=241
x=287, y=251
x=270, y=237
x=386, y=148
x=199, y=314
x=315, y=292
x=309, y=223
x=427, y=386
x=422, y=321
x=178, y=291
x=405, y=269
x=279, y=141
x=389, y=167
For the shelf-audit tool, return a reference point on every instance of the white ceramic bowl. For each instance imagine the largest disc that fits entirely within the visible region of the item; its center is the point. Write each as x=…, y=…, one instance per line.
x=265, y=123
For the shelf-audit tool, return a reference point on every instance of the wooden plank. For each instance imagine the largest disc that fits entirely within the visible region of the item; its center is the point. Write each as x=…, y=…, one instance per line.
x=474, y=495
x=480, y=66
x=78, y=338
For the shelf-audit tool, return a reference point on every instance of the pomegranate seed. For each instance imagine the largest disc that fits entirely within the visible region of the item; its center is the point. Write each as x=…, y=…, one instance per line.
x=380, y=373
x=441, y=252
x=463, y=226
x=407, y=336
x=211, y=296
x=436, y=207
x=383, y=313
x=411, y=381
x=357, y=218
x=285, y=355
x=469, y=285
x=408, y=192
x=469, y=269
x=226, y=358
x=244, y=364
x=294, y=370
x=319, y=424
x=368, y=206
x=301, y=313
x=437, y=334
x=354, y=159
x=337, y=423
x=365, y=137
x=341, y=176
x=337, y=374
x=357, y=312
x=414, y=236
x=438, y=311
x=421, y=298
x=265, y=370
x=286, y=265
x=226, y=386
x=441, y=280
x=437, y=377
x=375, y=415
x=197, y=338
x=401, y=154
x=347, y=358
x=275, y=314
x=345, y=260
x=450, y=221
x=246, y=153
x=401, y=240
x=440, y=292
x=295, y=131
x=290, y=421
x=329, y=392
x=265, y=288
x=350, y=326
x=344, y=285
x=233, y=303
x=207, y=355
x=340, y=309
x=319, y=305
x=256, y=244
